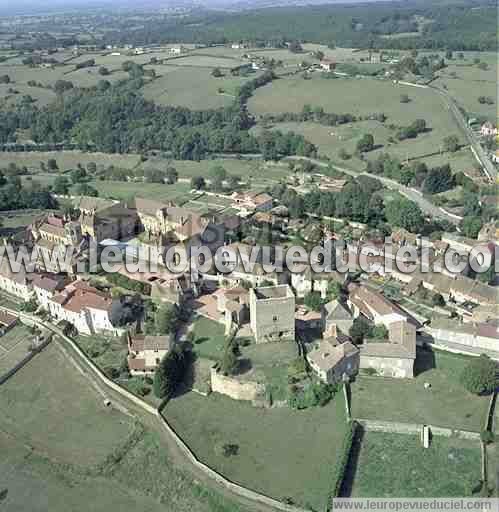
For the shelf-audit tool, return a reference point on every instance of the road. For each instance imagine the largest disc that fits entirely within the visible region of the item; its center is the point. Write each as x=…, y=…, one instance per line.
x=488, y=167
x=425, y=205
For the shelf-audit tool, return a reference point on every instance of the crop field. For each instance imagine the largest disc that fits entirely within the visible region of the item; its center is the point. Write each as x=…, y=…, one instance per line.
x=193, y=87
x=445, y=404
x=281, y=452
x=396, y=465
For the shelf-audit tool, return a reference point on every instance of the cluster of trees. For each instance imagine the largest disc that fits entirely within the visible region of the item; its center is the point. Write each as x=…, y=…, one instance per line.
x=314, y=395
x=167, y=318
x=416, y=174
x=481, y=375
x=454, y=27
x=118, y=119
x=317, y=114
x=360, y=200
x=122, y=281
x=411, y=131
x=15, y=196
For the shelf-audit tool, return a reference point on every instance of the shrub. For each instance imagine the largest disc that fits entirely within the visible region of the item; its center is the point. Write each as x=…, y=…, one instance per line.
x=480, y=375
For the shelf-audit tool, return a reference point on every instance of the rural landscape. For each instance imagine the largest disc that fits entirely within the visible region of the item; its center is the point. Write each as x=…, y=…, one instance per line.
x=256, y=141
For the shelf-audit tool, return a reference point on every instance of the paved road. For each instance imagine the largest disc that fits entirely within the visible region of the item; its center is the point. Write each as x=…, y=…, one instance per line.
x=425, y=205
x=481, y=155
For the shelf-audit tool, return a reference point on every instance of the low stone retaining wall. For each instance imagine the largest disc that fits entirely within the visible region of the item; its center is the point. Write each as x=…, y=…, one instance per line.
x=394, y=427
x=236, y=388
x=234, y=488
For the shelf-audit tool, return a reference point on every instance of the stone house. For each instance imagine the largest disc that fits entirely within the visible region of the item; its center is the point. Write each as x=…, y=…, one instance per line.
x=104, y=219
x=272, y=313
x=233, y=303
x=248, y=202
x=54, y=236
x=306, y=318
x=7, y=322
x=15, y=283
x=327, y=65
x=46, y=286
x=336, y=316
x=395, y=357
x=85, y=307
x=332, y=361
x=473, y=337
x=145, y=352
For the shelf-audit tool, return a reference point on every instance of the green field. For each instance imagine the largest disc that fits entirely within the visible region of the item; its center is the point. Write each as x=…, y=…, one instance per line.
x=40, y=96
x=330, y=140
x=355, y=96
x=194, y=87
x=445, y=404
x=62, y=449
x=282, y=452
x=209, y=338
x=465, y=82
x=397, y=466
x=43, y=393
x=69, y=159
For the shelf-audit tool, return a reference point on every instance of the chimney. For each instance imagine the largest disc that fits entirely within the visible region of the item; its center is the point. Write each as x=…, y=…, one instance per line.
x=332, y=331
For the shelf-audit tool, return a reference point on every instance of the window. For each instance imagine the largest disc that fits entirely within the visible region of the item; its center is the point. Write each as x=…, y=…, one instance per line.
x=274, y=318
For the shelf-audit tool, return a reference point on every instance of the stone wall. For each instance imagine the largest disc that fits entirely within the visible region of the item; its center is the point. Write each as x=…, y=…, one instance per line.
x=400, y=368
x=236, y=388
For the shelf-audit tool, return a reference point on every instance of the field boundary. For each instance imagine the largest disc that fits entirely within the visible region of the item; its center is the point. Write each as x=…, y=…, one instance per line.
x=235, y=489
x=394, y=427
x=26, y=359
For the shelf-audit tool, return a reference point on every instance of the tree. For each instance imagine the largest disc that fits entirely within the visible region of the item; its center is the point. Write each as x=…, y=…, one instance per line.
x=295, y=47
x=166, y=318
x=198, y=183
x=103, y=71
x=480, y=375
x=366, y=143
x=404, y=214
x=448, y=55
x=451, y=143
x=62, y=86
x=217, y=73
x=489, y=276
x=438, y=300
x=404, y=98
x=217, y=177
x=380, y=332
x=170, y=372
x=78, y=175
x=439, y=179
x=171, y=175
x=343, y=154
x=334, y=290
x=360, y=329
x=61, y=185
x=471, y=226
x=52, y=164
x=5, y=79
x=84, y=189
x=313, y=301
x=229, y=362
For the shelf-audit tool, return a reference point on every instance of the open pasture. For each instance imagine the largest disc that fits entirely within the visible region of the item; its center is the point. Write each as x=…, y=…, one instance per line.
x=281, y=452
x=397, y=466
x=445, y=404
x=193, y=87
x=43, y=393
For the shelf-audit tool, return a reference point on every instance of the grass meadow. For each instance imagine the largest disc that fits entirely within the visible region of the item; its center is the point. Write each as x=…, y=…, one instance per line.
x=282, y=452
x=445, y=404
x=62, y=449
x=397, y=466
